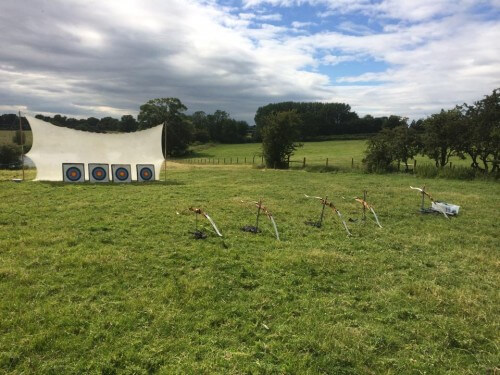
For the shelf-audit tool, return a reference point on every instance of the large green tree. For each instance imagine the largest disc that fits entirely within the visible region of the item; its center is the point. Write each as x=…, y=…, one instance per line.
x=169, y=111
x=440, y=138
x=279, y=133
x=480, y=132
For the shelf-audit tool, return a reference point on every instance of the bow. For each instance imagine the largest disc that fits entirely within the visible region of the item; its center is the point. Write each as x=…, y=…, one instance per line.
x=264, y=209
x=435, y=207
x=368, y=207
x=325, y=202
x=199, y=211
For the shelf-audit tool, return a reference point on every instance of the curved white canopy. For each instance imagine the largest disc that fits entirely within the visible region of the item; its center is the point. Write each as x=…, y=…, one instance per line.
x=54, y=145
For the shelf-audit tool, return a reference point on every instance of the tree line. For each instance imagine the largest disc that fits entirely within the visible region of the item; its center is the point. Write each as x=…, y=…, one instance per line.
x=320, y=119
x=466, y=131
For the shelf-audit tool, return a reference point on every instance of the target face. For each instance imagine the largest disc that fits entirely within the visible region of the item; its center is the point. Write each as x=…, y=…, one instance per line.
x=73, y=172
x=121, y=173
x=98, y=173
x=145, y=172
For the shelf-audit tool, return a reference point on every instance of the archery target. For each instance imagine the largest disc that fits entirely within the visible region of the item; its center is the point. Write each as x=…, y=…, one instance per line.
x=145, y=172
x=121, y=173
x=98, y=173
x=73, y=172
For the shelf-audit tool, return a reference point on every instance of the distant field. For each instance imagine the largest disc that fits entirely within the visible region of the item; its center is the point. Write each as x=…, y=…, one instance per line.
x=7, y=135
x=339, y=152
x=107, y=279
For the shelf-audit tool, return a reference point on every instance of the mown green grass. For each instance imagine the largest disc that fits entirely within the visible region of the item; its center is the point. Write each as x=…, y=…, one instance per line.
x=107, y=279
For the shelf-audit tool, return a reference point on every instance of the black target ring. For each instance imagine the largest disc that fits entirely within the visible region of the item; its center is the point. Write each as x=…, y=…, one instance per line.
x=146, y=173
x=73, y=174
x=99, y=173
x=121, y=174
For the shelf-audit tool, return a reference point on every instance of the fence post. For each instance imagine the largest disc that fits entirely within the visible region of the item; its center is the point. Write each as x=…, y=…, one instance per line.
x=304, y=162
x=237, y=160
x=399, y=165
x=218, y=161
x=327, y=162
x=288, y=162
x=262, y=160
x=253, y=160
x=414, y=165
x=245, y=159
x=352, y=163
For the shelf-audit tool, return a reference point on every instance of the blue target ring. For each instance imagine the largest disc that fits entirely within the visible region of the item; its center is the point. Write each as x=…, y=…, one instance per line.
x=121, y=174
x=99, y=173
x=146, y=173
x=73, y=174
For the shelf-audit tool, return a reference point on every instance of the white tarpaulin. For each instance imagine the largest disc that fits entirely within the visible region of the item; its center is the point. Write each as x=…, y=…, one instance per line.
x=54, y=145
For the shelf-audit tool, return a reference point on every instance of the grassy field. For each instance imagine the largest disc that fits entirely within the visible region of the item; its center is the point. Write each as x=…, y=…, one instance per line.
x=7, y=135
x=107, y=279
x=339, y=153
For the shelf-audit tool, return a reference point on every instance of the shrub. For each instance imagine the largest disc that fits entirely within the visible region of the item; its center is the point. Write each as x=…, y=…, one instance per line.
x=9, y=155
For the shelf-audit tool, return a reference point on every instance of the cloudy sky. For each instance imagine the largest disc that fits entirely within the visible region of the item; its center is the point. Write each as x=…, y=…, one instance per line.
x=107, y=57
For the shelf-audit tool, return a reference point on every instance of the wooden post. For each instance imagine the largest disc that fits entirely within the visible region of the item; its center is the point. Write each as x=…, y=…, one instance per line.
x=253, y=160
x=414, y=165
x=224, y=160
x=304, y=162
x=352, y=163
x=245, y=159
x=22, y=142
x=327, y=162
x=218, y=161
x=399, y=165
x=262, y=160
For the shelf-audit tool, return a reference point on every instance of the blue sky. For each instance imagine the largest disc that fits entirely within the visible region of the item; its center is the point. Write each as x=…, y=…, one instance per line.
x=98, y=58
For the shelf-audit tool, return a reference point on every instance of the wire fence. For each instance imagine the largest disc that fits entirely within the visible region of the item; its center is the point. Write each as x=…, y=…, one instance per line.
x=259, y=161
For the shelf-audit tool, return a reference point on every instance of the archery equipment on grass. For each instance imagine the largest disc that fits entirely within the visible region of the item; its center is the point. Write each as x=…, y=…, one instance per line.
x=365, y=205
x=199, y=234
x=319, y=223
x=436, y=206
x=325, y=202
x=255, y=229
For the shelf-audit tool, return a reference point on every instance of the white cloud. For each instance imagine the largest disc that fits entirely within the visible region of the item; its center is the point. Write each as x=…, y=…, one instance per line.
x=110, y=57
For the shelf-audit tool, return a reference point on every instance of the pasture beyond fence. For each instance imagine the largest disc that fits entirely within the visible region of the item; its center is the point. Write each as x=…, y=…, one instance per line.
x=341, y=163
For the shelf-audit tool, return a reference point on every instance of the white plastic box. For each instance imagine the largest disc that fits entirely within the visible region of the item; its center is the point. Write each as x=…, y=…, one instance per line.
x=450, y=209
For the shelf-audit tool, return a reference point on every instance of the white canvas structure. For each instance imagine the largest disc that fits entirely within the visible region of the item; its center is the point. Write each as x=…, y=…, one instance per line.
x=54, y=145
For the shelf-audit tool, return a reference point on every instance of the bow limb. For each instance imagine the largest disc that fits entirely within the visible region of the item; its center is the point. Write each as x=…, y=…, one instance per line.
x=275, y=226
x=343, y=222
x=213, y=224
x=376, y=218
